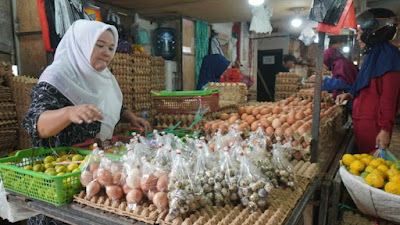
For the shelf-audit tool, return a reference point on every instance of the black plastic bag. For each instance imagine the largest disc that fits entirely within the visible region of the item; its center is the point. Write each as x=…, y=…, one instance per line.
x=327, y=11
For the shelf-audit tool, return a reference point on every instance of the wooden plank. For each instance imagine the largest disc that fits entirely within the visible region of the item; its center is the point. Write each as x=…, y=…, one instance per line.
x=188, y=36
x=33, y=55
x=27, y=16
x=188, y=64
x=6, y=33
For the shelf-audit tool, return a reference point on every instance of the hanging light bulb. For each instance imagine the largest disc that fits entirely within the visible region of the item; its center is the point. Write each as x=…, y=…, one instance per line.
x=346, y=49
x=256, y=2
x=296, y=22
x=316, y=40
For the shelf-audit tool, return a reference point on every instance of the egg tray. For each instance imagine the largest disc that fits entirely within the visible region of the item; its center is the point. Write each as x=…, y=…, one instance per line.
x=147, y=212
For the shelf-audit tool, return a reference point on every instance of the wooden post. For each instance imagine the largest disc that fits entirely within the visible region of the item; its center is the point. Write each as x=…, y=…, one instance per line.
x=317, y=98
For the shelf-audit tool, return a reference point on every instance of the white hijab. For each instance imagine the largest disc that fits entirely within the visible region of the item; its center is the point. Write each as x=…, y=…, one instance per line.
x=72, y=74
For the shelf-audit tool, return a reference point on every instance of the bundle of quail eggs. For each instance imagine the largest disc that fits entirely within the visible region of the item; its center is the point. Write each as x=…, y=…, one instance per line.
x=185, y=195
x=253, y=186
x=283, y=168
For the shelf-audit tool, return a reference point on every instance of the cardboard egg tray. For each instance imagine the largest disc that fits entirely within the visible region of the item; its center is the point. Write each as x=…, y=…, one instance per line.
x=281, y=202
x=147, y=212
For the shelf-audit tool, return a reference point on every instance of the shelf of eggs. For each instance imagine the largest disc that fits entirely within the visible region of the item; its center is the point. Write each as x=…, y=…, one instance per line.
x=286, y=84
x=158, y=74
x=288, y=120
x=230, y=93
x=8, y=115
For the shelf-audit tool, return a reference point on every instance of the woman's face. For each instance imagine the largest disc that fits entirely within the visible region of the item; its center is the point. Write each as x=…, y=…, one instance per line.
x=359, y=33
x=103, y=51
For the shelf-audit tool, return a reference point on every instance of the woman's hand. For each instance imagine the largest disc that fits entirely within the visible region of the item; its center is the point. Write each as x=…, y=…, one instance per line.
x=342, y=97
x=141, y=123
x=87, y=113
x=383, y=139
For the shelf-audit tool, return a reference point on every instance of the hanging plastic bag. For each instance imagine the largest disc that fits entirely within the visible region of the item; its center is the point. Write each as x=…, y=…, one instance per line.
x=347, y=20
x=380, y=153
x=260, y=23
x=89, y=168
x=253, y=185
x=308, y=35
x=327, y=11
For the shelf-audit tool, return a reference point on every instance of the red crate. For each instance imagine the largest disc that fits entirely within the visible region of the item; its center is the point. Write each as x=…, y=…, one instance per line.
x=186, y=105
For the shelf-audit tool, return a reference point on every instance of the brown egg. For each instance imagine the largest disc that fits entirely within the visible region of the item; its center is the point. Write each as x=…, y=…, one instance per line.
x=249, y=109
x=254, y=125
x=270, y=131
x=92, y=189
x=291, y=120
x=276, y=110
x=270, y=119
x=94, y=167
x=258, y=116
x=86, y=177
x=134, y=196
x=264, y=111
x=242, y=110
x=149, y=182
x=207, y=126
x=265, y=123
x=295, y=143
x=256, y=111
x=300, y=130
x=117, y=178
x=150, y=194
x=104, y=177
x=114, y=192
x=297, y=155
x=304, y=144
x=283, y=119
x=160, y=200
x=278, y=132
x=224, y=116
x=276, y=123
x=288, y=132
x=299, y=116
x=233, y=119
x=223, y=127
x=250, y=119
x=244, y=116
x=126, y=189
x=215, y=126
x=162, y=183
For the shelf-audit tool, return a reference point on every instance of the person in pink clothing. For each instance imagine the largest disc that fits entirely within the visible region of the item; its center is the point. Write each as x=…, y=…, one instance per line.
x=376, y=91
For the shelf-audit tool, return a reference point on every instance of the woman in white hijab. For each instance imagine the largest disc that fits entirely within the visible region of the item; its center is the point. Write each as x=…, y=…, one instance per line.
x=77, y=97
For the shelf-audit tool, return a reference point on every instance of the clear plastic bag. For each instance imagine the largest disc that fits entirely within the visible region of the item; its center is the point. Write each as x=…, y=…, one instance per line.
x=184, y=196
x=226, y=180
x=253, y=185
x=154, y=180
x=131, y=177
x=89, y=168
x=283, y=168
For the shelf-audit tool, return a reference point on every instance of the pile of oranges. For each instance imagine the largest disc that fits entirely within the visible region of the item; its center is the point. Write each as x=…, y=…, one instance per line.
x=376, y=172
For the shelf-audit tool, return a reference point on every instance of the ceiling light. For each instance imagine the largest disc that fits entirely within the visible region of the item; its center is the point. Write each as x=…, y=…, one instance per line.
x=355, y=63
x=296, y=22
x=346, y=49
x=256, y=2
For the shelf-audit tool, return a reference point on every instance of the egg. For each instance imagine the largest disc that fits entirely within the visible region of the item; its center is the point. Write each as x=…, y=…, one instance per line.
x=242, y=127
x=150, y=194
x=134, y=196
x=250, y=119
x=223, y=127
x=242, y=110
x=295, y=143
x=276, y=110
x=117, y=178
x=115, y=167
x=160, y=200
x=304, y=144
x=207, y=126
x=264, y=111
x=276, y=123
x=278, y=132
x=258, y=116
x=254, y=125
x=133, y=179
x=270, y=131
x=291, y=120
x=288, y=132
x=249, y=109
x=282, y=119
x=114, y=192
x=265, y=123
x=299, y=116
x=215, y=126
x=244, y=116
x=94, y=167
x=233, y=119
x=224, y=116
x=92, y=189
x=300, y=130
x=104, y=177
x=126, y=189
x=256, y=111
x=148, y=182
x=162, y=183
x=86, y=177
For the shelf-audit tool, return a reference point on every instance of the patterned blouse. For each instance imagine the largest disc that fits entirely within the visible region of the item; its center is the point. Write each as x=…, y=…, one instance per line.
x=47, y=97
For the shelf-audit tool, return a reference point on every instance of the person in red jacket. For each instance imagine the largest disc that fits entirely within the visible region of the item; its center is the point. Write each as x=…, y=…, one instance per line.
x=376, y=91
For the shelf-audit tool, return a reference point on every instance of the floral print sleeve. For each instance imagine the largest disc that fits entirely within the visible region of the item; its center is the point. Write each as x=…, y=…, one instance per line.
x=47, y=97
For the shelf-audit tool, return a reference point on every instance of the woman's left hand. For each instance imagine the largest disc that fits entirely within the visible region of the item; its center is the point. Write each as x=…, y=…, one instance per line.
x=382, y=139
x=141, y=123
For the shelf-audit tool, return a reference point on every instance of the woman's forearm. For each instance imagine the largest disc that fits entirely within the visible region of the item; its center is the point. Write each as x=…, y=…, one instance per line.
x=52, y=122
x=127, y=116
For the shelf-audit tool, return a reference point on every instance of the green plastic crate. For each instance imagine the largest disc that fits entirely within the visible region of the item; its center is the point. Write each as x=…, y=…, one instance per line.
x=184, y=93
x=57, y=190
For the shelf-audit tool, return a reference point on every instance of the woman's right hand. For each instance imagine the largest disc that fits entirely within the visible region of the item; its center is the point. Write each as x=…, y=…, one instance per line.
x=342, y=97
x=87, y=113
